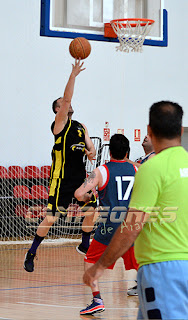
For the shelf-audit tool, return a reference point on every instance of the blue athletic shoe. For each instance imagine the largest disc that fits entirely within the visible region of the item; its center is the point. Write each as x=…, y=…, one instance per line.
x=96, y=306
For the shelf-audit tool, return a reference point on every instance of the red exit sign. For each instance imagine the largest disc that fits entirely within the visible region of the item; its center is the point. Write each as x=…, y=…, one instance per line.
x=137, y=134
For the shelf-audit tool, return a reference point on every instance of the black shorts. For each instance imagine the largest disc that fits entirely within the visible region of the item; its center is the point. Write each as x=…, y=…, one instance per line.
x=62, y=195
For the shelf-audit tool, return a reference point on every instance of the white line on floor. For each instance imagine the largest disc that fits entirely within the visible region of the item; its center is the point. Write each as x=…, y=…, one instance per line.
x=58, y=306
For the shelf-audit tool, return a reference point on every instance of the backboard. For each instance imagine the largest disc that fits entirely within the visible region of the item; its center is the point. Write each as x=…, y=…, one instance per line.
x=86, y=18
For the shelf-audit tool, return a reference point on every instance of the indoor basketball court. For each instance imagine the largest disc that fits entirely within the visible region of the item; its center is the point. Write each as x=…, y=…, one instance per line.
x=55, y=289
x=137, y=54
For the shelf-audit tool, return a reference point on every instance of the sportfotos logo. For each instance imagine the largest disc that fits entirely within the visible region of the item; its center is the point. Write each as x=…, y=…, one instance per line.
x=136, y=219
x=151, y=215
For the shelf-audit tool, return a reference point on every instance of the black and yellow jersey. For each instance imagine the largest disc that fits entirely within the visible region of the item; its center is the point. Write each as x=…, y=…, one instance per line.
x=67, y=154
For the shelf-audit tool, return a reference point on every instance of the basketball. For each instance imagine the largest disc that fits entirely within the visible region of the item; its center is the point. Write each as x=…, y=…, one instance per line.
x=80, y=48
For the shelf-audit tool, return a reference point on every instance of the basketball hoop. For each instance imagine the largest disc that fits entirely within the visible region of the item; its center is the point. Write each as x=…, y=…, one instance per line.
x=131, y=33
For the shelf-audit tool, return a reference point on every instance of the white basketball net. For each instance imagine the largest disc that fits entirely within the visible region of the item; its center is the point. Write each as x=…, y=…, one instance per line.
x=130, y=38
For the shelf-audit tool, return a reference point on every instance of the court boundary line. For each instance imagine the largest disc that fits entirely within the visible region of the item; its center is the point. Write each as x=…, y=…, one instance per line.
x=58, y=306
x=62, y=285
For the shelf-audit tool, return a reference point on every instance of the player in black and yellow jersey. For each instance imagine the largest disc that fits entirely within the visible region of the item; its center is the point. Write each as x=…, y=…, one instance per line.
x=67, y=171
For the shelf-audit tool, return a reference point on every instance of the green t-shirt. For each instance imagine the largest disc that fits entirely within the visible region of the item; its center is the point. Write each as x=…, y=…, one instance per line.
x=162, y=182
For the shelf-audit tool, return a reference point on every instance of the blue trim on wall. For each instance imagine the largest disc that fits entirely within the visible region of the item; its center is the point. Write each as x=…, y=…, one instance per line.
x=164, y=42
x=45, y=29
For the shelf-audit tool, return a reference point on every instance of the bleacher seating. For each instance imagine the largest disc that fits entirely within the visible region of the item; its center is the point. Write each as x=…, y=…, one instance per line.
x=45, y=172
x=39, y=192
x=22, y=192
x=3, y=173
x=32, y=172
x=16, y=172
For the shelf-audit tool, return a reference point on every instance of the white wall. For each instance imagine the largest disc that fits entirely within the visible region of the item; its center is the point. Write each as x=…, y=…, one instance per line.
x=115, y=87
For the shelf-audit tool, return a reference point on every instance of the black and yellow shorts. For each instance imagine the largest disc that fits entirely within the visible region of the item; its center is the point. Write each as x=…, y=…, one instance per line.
x=62, y=195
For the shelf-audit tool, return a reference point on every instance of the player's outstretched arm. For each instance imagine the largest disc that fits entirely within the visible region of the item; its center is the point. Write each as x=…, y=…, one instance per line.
x=77, y=67
x=90, y=148
x=62, y=114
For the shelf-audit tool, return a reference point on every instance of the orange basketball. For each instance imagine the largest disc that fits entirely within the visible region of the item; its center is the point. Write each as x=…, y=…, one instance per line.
x=80, y=48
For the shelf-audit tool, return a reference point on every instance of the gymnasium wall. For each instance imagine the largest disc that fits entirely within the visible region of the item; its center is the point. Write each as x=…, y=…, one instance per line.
x=115, y=87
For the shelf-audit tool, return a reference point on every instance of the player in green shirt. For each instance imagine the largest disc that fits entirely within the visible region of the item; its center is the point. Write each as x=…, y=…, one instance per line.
x=157, y=222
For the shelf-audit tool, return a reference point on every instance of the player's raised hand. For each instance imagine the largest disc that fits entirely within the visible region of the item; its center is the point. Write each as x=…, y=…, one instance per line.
x=77, y=67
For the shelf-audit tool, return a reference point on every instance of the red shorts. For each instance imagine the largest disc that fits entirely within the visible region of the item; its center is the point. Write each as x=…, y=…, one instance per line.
x=96, y=249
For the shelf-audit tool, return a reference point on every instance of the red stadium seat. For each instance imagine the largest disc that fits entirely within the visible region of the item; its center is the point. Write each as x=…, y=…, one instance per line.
x=15, y=172
x=39, y=192
x=21, y=211
x=22, y=192
x=3, y=173
x=45, y=172
x=32, y=172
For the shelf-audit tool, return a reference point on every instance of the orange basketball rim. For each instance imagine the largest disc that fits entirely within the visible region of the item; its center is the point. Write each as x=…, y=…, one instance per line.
x=122, y=23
